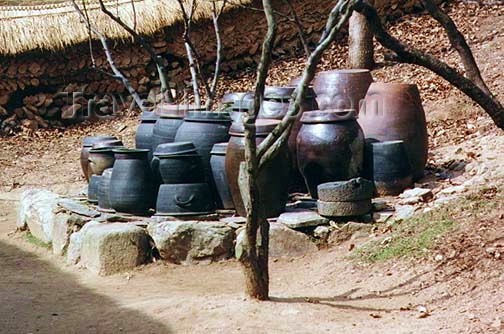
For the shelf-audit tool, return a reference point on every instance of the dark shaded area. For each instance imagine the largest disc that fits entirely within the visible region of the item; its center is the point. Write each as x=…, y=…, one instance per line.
x=36, y=297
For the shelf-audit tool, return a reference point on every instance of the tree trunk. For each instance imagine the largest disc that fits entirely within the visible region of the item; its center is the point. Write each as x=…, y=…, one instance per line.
x=360, y=42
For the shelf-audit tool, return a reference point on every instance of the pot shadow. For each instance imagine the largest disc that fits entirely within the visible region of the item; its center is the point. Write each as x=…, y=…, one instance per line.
x=35, y=296
x=341, y=301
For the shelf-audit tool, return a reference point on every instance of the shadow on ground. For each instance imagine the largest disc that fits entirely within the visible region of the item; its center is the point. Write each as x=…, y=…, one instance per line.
x=36, y=297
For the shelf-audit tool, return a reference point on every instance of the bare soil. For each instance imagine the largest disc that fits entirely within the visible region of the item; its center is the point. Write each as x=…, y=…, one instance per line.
x=461, y=292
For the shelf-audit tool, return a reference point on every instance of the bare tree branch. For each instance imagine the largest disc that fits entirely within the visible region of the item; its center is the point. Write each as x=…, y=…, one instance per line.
x=408, y=54
x=108, y=54
x=299, y=26
x=458, y=42
x=165, y=89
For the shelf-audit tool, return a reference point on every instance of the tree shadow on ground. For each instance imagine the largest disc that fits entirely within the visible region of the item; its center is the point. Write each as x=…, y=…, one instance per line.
x=342, y=301
x=37, y=297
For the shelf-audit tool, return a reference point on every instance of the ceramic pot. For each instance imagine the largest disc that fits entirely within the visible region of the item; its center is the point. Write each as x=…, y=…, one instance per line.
x=341, y=89
x=132, y=189
x=205, y=130
x=144, y=134
x=387, y=164
x=178, y=163
x=273, y=179
x=276, y=104
x=103, y=191
x=394, y=112
x=87, y=144
x=218, y=164
x=184, y=200
x=100, y=159
x=330, y=148
x=93, y=188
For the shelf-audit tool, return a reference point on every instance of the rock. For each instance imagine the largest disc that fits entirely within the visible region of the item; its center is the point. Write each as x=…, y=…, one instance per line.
x=321, y=232
x=419, y=194
x=383, y=216
x=283, y=241
x=64, y=225
x=234, y=222
x=188, y=242
x=302, y=218
x=357, y=189
x=379, y=205
x=344, y=209
x=453, y=190
x=351, y=230
x=73, y=252
x=443, y=200
x=36, y=212
x=76, y=207
x=404, y=211
x=113, y=248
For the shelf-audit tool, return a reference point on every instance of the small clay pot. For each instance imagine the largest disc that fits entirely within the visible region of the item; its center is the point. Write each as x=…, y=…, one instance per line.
x=218, y=164
x=87, y=144
x=100, y=159
x=178, y=163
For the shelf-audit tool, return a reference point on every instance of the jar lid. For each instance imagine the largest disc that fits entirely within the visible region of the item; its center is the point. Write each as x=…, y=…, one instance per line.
x=175, y=148
x=208, y=116
x=343, y=71
x=285, y=92
x=322, y=116
x=107, y=144
x=130, y=153
x=263, y=127
x=148, y=116
x=90, y=140
x=166, y=110
x=237, y=96
x=219, y=149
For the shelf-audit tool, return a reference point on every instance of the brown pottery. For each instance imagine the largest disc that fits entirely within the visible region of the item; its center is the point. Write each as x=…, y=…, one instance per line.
x=87, y=144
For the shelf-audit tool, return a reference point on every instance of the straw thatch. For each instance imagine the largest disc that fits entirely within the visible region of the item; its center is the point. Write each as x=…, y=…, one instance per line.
x=56, y=26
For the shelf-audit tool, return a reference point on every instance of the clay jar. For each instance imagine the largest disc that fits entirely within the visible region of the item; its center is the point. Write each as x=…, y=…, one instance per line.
x=178, y=163
x=275, y=105
x=204, y=130
x=144, y=134
x=103, y=192
x=218, y=164
x=273, y=178
x=93, y=188
x=87, y=144
x=341, y=89
x=394, y=111
x=131, y=187
x=171, y=117
x=184, y=200
x=330, y=147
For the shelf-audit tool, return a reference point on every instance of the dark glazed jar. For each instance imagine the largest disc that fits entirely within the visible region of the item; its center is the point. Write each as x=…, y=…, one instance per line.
x=273, y=179
x=394, y=111
x=204, y=130
x=144, y=134
x=330, y=147
x=131, y=185
x=341, y=89
x=178, y=163
x=93, y=188
x=87, y=144
x=387, y=164
x=103, y=192
x=218, y=164
x=184, y=200
x=276, y=104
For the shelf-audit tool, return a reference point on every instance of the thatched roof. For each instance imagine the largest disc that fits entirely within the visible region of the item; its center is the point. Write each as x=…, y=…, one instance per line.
x=55, y=26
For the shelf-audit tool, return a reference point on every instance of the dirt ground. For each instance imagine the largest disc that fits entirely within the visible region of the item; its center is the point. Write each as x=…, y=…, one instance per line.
x=318, y=293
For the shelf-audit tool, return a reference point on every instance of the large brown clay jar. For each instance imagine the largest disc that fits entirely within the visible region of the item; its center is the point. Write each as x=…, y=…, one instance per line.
x=394, y=111
x=87, y=145
x=341, y=89
x=330, y=147
x=273, y=179
x=275, y=105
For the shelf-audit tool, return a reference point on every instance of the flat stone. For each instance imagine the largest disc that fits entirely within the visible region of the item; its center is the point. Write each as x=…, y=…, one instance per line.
x=234, y=220
x=404, y=211
x=64, y=225
x=422, y=194
x=187, y=242
x=113, y=248
x=382, y=216
x=453, y=190
x=76, y=207
x=302, y=218
x=351, y=230
x=73, y=252
x=283, y=241
x=36, y=213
